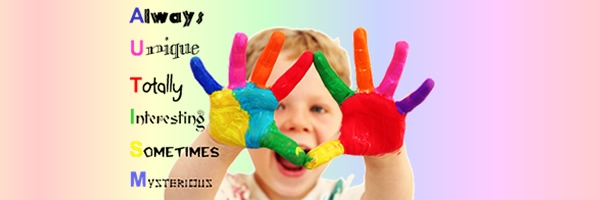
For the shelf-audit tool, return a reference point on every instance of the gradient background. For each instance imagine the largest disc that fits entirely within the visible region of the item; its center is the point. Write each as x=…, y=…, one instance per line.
x=514, y=114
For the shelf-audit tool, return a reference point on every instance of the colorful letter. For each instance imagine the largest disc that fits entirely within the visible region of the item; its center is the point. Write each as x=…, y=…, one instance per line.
x=136, y=146
x=137, y=181
x=136, y=15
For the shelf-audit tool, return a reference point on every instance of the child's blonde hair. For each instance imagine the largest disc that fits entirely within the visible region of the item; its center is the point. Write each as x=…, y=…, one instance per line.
x=300, y=40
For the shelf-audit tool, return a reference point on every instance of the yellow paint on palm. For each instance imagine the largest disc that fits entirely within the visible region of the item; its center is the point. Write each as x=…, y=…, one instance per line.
x=228, y=121
x=324, y=153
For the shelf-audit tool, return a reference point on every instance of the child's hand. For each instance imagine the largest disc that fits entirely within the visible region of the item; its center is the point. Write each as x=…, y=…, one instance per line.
x=242, y=114
x=373, y=123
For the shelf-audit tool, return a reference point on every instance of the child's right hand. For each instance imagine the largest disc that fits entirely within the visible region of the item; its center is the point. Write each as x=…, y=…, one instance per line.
x=242, y=114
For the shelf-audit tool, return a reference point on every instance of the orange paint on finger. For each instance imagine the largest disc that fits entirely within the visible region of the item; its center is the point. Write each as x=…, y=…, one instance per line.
x=267, y=59
x=364, y=77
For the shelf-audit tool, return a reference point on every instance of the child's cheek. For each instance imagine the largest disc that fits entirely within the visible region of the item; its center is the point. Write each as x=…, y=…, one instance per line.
x=278, y=116
x=327, y=130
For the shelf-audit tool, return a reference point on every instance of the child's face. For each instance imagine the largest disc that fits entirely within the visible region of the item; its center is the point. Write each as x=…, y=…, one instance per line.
x=308, y=115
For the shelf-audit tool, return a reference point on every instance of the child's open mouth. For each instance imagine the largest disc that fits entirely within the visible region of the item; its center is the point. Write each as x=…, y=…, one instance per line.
x=287, y=168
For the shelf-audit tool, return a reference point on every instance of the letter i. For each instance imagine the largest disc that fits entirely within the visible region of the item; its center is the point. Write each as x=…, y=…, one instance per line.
x=141, y=48
x=132, y=114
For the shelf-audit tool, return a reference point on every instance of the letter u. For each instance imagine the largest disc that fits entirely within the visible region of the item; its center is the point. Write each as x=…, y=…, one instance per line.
x=141, y=48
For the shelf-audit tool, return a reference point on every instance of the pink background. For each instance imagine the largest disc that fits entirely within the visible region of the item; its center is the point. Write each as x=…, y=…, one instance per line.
x=514, y=114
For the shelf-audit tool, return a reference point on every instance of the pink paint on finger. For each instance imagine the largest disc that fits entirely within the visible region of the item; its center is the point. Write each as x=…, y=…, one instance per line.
x=237, y=61
x=388, y=84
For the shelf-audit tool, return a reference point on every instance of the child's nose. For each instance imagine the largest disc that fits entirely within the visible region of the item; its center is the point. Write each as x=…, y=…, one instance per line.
x=297, y=124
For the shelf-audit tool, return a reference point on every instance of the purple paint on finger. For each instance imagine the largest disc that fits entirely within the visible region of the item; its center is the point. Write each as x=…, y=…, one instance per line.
x=417, y=97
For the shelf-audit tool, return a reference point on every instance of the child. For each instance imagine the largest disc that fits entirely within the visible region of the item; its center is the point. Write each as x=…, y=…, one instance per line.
x=310, y=116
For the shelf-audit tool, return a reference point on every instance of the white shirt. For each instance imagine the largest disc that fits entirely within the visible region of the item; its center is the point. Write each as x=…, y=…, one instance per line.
x=244, y=187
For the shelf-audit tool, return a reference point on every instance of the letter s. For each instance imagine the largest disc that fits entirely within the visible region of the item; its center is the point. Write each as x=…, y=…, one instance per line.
x=135, y=146
x=215, y=152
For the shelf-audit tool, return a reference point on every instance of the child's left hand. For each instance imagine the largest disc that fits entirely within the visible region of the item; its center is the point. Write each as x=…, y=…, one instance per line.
x=373, y=123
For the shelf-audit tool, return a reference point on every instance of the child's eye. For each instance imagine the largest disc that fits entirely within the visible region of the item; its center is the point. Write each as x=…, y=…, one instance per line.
x=318, y=109
x=280, y=106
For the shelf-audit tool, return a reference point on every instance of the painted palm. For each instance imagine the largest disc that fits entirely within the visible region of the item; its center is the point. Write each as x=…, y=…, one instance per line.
x=373, y=123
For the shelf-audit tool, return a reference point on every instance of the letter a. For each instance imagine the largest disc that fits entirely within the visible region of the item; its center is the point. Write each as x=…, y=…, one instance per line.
x=136, y=15
x=141, y=48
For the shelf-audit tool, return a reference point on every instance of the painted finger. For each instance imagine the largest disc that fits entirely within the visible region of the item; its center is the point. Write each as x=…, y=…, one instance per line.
x=237, y=61
x=388, y=84
x=267, y=59
x=337, y=88
x=417, y=97
x=288, y=81
x=323, y=154
x=283, y=145
x=209, y=84
x=364, y=77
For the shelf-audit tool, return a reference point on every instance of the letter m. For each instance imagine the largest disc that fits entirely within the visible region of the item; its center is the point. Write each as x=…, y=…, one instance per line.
x=141, y=180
